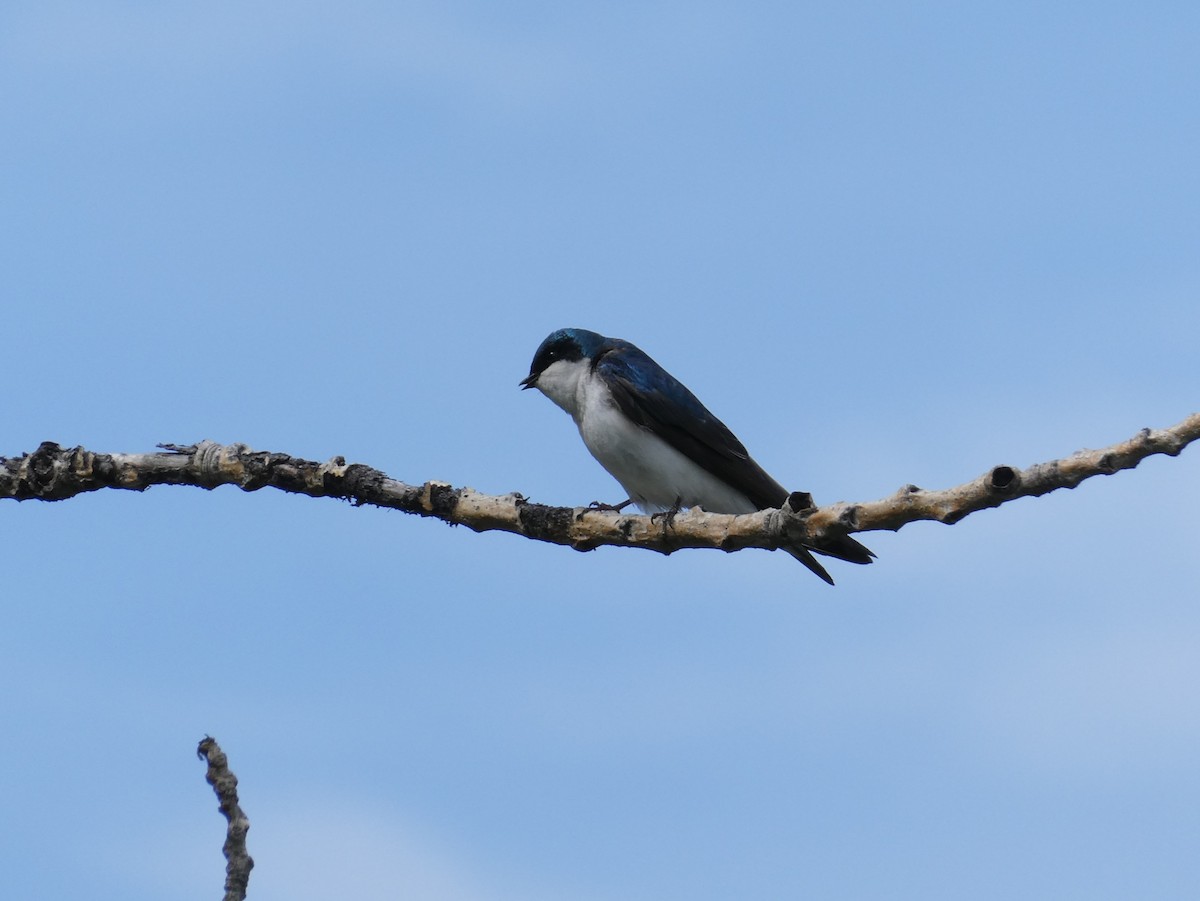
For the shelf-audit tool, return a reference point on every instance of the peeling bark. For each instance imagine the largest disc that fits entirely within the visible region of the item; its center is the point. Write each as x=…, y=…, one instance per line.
x=53, y=473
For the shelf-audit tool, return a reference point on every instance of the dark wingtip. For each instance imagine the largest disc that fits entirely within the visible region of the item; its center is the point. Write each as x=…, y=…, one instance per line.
x=803, y=555
x=846, y=548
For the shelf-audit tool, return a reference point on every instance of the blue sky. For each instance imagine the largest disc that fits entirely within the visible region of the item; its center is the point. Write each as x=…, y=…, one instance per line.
x=885, y=243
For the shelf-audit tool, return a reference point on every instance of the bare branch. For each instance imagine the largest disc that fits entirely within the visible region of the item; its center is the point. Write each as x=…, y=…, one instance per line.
x=1002, y=484
x=55, y=473
x=224, y=783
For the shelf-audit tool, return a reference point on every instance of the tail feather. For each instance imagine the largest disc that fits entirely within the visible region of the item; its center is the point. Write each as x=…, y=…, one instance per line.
x=845, y=548
x=804, y=556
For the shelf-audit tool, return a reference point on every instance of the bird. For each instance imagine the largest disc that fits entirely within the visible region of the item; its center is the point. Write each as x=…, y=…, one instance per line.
x=657, y=439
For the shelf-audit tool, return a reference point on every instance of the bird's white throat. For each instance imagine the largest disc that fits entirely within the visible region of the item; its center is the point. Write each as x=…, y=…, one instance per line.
x=563, y=382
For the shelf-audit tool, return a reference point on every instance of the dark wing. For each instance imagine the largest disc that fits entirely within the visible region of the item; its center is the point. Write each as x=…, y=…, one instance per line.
x=845, y=548
x=656, y=400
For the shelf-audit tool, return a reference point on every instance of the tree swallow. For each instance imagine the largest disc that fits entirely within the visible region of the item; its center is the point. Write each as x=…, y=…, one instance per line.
x=655, y=438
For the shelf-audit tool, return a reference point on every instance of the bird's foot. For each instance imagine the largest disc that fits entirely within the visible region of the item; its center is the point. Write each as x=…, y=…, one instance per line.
x=601, y=507
x=609, y=508
x=668, y=516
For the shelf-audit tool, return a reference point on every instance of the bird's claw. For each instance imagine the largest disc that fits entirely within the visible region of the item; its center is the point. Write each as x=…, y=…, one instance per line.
x=602, y=507
x=608, y=508
x=668, y=516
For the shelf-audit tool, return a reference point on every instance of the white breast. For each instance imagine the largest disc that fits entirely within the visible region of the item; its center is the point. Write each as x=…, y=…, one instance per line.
x=656, y=476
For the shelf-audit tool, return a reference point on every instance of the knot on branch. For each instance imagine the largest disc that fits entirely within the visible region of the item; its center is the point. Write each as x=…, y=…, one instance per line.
x=42, y=468
x=355, y=482
x=441, y=500
x=47, y=473
x=789, y=524
x=1003, y=478
x=212, y=460
x=799, y=500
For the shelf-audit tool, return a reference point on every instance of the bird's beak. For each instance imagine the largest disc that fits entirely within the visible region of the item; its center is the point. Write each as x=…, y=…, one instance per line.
x=530, y=381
